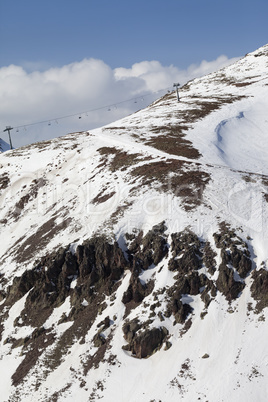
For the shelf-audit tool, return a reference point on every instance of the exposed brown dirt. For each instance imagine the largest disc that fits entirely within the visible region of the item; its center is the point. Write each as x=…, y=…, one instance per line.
x=100, y=198
x=120, y=160
x=183, y=179
x=38, y=346
x=31, y=195
x=40, y=239
x=4, y=181
x=173, y=142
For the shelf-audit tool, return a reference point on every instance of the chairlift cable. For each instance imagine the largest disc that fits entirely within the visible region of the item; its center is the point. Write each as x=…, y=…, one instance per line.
x=107, y=107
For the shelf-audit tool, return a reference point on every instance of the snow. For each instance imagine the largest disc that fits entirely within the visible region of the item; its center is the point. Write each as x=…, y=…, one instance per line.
x=233, y=143
x=57, y=313
x=4, y=146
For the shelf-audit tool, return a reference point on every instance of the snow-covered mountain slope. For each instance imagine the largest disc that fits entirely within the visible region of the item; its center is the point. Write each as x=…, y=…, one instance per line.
x=134, y=257
x=4, y=146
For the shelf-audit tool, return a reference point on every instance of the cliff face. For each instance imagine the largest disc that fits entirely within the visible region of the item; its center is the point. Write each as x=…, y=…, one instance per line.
x=134, y=260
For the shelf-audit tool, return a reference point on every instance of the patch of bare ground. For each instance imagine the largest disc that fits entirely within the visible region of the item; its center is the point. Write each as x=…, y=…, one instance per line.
x=175, y=384
x=100, y=198
x=249, y=178
x=117, y=214
x=172, y=141
x=55, y=397
x=118, y=159
x=37, y=347
x=184, y=179
x=243, y=84
x=37, y=241
x=265, y=183
x=4, y=181
x=171, y=138
x=106, y=151
x=265, y=180
x=31, y=195
x=228, y=80
x=41, y=146
x=77, y=332
x=93, y=361
x=206, y=106
x=119, y=128
x=185, y=371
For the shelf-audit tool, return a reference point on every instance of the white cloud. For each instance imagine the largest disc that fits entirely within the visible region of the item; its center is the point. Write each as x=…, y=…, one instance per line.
x=28, y=97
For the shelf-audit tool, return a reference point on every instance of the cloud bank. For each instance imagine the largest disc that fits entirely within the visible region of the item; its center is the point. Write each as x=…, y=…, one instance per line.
x=80, y=87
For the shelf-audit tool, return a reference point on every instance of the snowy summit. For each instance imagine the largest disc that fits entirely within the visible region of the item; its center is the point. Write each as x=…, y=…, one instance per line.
x=134, y=258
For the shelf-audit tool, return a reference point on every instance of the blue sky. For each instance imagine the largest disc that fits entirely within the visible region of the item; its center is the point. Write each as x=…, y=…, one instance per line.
x=121, y=33
x=72, y=56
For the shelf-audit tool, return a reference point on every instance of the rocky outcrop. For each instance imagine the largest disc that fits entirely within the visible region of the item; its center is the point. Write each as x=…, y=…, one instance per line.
x=236, y=262
x=144, y=343
x=259, y=288
x=186, y=252
x=149, y=249
x=94, y=272
x=234, y=250
x=98, y=260
x=226, y=283
x=209, y=258
x=144, y=252
x=96, y=263
x=188, y=257
x=136, y=291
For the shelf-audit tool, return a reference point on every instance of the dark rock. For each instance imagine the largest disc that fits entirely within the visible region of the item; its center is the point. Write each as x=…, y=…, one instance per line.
x=70, y=266
x=160, y=315
x=242, y=263
x=21, y=285
x=96, y=264
x=130, y=328
x=168, y=345
x=208, y=293
x=209, y=258
x=225, y=257
x=148, y=341
x=235, y=256
x=234, y=250
x=259, y=288
x=150, y=249
x=99, y=340
x=37, y=332
x=206, y=299
x=104, y=323
x=184, y=240
x=100, y=259
x=180, y=311
x=186, y=252
x=227, y=284
x=137, y=291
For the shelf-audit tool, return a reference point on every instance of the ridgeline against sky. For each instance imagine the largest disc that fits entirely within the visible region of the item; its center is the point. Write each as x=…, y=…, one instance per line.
x=60, y=58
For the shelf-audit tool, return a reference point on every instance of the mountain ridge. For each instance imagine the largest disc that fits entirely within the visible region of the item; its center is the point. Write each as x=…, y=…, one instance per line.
x=146, y=238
